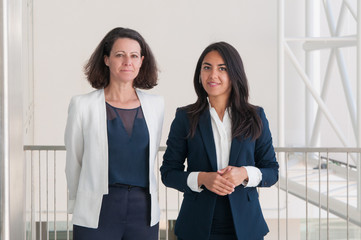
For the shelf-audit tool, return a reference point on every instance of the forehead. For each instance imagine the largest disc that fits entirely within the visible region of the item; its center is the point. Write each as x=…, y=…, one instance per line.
x=126, y=45
x=213, y=57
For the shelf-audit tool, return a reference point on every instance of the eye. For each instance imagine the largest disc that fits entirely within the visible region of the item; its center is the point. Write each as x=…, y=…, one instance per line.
x=206, y=67
x=119, y=55
x=135, y=56
x=223, y=69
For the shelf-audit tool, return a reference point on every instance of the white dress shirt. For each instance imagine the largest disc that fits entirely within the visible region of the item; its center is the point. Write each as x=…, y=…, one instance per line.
x=222, y=134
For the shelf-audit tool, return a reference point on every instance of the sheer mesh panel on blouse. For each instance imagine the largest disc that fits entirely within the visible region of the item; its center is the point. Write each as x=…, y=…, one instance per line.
x=127, y=116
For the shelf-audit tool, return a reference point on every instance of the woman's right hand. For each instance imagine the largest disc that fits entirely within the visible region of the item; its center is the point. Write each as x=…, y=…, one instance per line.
x=216, y=183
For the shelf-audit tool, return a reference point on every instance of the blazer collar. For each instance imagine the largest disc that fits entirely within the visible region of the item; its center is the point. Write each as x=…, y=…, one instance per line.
x=148, y=112
x=205, y=128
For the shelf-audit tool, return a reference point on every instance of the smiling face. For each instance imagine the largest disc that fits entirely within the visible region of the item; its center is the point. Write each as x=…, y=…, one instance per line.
x=124, y=60
x=214, y=76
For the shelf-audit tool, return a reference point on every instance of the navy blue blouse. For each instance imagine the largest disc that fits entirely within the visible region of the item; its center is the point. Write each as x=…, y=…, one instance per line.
x=128, y=146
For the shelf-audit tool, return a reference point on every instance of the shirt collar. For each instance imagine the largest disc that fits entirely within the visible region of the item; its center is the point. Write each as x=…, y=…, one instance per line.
x=212, y=111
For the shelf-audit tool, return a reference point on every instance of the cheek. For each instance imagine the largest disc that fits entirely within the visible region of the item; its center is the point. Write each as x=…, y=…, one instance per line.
x=203, y=76
x=227, y=81
x=229, y=87
x=137, y=65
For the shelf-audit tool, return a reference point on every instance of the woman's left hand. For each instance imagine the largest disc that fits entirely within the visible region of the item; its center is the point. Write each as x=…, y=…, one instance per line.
x=236, y=175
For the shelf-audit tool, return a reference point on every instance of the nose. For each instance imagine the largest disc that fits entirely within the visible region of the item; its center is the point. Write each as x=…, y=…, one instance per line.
x=127, y=61
x=213, y=74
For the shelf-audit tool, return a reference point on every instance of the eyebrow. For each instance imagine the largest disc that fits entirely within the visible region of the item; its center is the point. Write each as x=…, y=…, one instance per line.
x=205, y=63
x=125, y=52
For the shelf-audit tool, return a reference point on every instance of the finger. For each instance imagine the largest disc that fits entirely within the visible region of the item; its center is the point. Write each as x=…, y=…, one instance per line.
x=221, y=188
x=228, y=174
x=226, y=187
x=221, y=191
x=226, y=182
x=224, y=170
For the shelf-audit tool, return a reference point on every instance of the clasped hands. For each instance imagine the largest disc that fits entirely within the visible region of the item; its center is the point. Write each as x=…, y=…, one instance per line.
x=224, y=181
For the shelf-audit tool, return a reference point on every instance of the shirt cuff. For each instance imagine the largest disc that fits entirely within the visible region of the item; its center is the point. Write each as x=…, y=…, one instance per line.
x=192, y=182
x=254, y=176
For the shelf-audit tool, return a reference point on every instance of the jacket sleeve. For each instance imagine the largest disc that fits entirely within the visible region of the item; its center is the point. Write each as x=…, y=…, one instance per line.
x=265, y=157
x=74, y=150
x=172, y=169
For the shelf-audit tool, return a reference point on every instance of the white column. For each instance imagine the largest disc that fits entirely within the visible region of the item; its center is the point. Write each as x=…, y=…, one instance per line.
x=4, y=133
x=12, y=178
x=312, y=66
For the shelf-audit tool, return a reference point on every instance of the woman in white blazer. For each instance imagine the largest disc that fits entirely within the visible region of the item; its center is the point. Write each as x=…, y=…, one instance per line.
x=112, y=138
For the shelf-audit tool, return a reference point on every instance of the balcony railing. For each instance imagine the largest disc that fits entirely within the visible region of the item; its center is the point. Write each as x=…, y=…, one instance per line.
x=317, y=196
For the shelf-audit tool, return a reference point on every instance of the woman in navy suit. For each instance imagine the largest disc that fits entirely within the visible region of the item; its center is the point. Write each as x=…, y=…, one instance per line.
x=228, y=147
x=112, y=138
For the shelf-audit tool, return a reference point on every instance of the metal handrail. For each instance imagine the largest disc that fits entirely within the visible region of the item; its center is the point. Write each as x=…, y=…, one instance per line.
x=286, y=184
x=277, y=149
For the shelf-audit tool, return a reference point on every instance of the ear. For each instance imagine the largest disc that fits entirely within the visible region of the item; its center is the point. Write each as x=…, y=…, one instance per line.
x=106, y=60
x=141, y=61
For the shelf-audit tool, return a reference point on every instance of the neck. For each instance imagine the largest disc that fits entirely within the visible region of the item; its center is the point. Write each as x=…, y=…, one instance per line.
x=220, y=105
x=121, y=95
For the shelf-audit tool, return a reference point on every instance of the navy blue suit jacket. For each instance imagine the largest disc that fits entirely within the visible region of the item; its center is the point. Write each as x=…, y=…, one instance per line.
x=195, y=217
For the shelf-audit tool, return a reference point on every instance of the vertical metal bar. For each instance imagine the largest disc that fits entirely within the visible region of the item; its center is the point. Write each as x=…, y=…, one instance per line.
x=55, y=237
x=32, y=218
x=287, y=157
x=347, y=194
x=319, y=196
x=166, y=214
x=67, y=216
x=47, y=194
x=281, y=83
x=278, y=205
x=158, y=183
x=306, y=196
x=40, y=195
x=328, y=196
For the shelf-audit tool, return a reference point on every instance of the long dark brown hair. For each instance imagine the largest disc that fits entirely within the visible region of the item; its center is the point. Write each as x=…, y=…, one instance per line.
x=246, y=122
x=98, y=73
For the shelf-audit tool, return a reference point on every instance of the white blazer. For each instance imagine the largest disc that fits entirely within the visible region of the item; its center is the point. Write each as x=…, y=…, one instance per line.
x=86, y=145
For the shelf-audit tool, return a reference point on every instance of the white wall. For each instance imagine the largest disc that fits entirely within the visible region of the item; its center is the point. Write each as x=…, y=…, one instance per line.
x=66, y=33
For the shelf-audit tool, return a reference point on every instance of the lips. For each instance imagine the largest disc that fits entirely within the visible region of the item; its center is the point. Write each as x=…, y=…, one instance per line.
x=213, y=84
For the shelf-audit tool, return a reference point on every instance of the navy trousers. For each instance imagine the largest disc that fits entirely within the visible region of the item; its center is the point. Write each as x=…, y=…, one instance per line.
x=124, y=215
x=222, y=223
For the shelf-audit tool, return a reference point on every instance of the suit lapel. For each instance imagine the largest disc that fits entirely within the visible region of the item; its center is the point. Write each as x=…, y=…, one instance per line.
x=205, y=128
x=101, y=113
x=235, y=149
x=148, y=116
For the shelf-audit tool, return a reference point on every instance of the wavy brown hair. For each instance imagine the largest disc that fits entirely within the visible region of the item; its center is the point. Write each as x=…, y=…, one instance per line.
x=98, y=73
x=246, y=122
